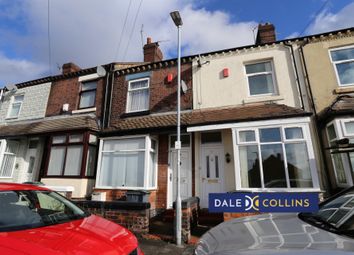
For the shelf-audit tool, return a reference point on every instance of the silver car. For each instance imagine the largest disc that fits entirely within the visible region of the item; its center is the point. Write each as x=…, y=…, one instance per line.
x=330, y=231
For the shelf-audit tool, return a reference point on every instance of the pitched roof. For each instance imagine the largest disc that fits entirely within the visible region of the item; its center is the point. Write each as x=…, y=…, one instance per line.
x=208, y=116
x=49, y=125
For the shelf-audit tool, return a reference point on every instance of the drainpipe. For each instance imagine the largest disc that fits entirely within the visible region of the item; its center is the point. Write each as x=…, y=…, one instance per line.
x=110, y=97
x=317, y=126
x=107, y=101
x=296, y=73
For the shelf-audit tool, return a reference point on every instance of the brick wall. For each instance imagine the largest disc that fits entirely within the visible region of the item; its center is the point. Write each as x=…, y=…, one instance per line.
x=163, y=95
x=136, y=220
x=67, y=92
x=161, y=196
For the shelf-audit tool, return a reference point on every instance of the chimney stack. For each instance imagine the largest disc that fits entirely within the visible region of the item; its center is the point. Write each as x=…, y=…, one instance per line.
x=266, y=33
x=152, y=52
x=70, y=68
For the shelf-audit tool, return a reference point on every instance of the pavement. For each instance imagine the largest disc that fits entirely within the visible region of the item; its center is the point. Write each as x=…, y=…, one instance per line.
x=159, y=247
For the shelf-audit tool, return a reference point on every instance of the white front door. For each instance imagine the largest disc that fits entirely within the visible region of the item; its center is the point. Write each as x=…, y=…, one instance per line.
x=33, y=160
x=186, y=175
x=212, y=172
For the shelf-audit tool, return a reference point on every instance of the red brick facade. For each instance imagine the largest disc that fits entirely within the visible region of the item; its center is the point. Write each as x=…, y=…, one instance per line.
x=67, y=91
x=163, y=95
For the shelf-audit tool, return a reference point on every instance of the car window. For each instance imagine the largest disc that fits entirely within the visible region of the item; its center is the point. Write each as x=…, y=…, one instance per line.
x=30, y=209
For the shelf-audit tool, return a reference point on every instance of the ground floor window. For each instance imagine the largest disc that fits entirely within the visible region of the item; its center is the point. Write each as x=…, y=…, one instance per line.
x=340, y=134
x=72, y=154
x=128, y=163
x=274, y=157
x=8, y=150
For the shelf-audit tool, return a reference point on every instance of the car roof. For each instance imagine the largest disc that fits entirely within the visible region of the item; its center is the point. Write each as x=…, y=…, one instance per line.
x=16, y=186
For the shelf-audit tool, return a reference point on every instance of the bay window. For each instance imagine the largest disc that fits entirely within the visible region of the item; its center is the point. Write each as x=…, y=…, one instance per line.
x=138, y=95
x=128, y=163
x=342, y=158
x=273, y=157
x=72, y=155
x=7, y=163
x=343, y=62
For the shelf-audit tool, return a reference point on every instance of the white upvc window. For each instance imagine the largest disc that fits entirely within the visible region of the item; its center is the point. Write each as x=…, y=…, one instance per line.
x=138, y=95
x=8, y=157
x=343, y=63
x=15, y=106
x=261, y=78
x=127, y=163
x=274, y=157
x=343, y=163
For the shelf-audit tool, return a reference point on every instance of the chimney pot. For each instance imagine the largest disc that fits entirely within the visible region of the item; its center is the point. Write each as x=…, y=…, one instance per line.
x=148, y=40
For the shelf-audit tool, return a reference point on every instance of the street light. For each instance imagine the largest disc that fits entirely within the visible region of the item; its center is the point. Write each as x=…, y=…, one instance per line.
x=176, y=17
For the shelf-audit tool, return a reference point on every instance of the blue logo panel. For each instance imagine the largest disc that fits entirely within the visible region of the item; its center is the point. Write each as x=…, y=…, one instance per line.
x=263, y=202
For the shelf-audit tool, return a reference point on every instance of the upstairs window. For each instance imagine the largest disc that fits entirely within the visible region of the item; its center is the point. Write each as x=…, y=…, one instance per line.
x=15, y=107
x=138, y=95
x=88, y=94
x=260, y=78
x=343, y=61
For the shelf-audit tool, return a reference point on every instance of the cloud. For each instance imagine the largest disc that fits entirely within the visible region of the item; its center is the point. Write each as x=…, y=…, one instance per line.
x=88, y=32
x=17, y=70
x=327, y=21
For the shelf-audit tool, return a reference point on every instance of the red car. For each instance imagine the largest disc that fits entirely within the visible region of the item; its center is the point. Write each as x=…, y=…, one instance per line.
x=35, y=220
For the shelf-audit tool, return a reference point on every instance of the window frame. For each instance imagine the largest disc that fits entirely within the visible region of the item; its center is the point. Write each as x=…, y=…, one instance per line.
x=275, y=89
x=306, y=139
x=146, y=150
x=3, y=144
x=339, y=128
x=87, y=91
x=85, y=145
x=129, y=90
x=334, y=63
x=12, y=102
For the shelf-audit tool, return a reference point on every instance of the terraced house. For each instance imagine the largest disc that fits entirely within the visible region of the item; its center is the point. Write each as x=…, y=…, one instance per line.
x=329, y=65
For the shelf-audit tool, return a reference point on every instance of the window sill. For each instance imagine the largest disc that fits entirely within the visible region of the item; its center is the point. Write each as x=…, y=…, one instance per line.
x=257, y=99
x=92, y=109
x=289, y=190
x=134, y=114
x=11, y=118
x=343, y=90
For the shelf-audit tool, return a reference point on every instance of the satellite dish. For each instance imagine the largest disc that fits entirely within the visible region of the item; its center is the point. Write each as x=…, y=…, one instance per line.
x=184, y=87
x=100, y=71
x=11, y=87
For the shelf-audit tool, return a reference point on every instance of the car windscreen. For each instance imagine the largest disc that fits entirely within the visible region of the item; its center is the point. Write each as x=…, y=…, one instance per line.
x=21, y=210
x=337, y=215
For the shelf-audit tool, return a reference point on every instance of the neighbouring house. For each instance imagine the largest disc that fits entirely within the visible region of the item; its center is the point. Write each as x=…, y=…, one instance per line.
x=137, y=140
x=21, y=153
x=329, y=64
x=76, y=105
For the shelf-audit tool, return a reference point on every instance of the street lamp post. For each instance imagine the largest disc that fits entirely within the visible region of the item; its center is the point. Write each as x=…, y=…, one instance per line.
x=178, y=22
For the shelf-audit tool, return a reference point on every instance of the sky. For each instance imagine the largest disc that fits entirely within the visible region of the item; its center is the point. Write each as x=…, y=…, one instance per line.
x=38, y=36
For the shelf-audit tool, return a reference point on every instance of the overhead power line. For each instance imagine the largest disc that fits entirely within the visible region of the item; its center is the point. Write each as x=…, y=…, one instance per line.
x=314, y=17
x=49, y=42
x=122, y=32
x=132, y=31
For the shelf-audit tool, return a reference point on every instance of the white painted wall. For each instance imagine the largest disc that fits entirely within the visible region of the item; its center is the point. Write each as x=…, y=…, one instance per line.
x=211, y=89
